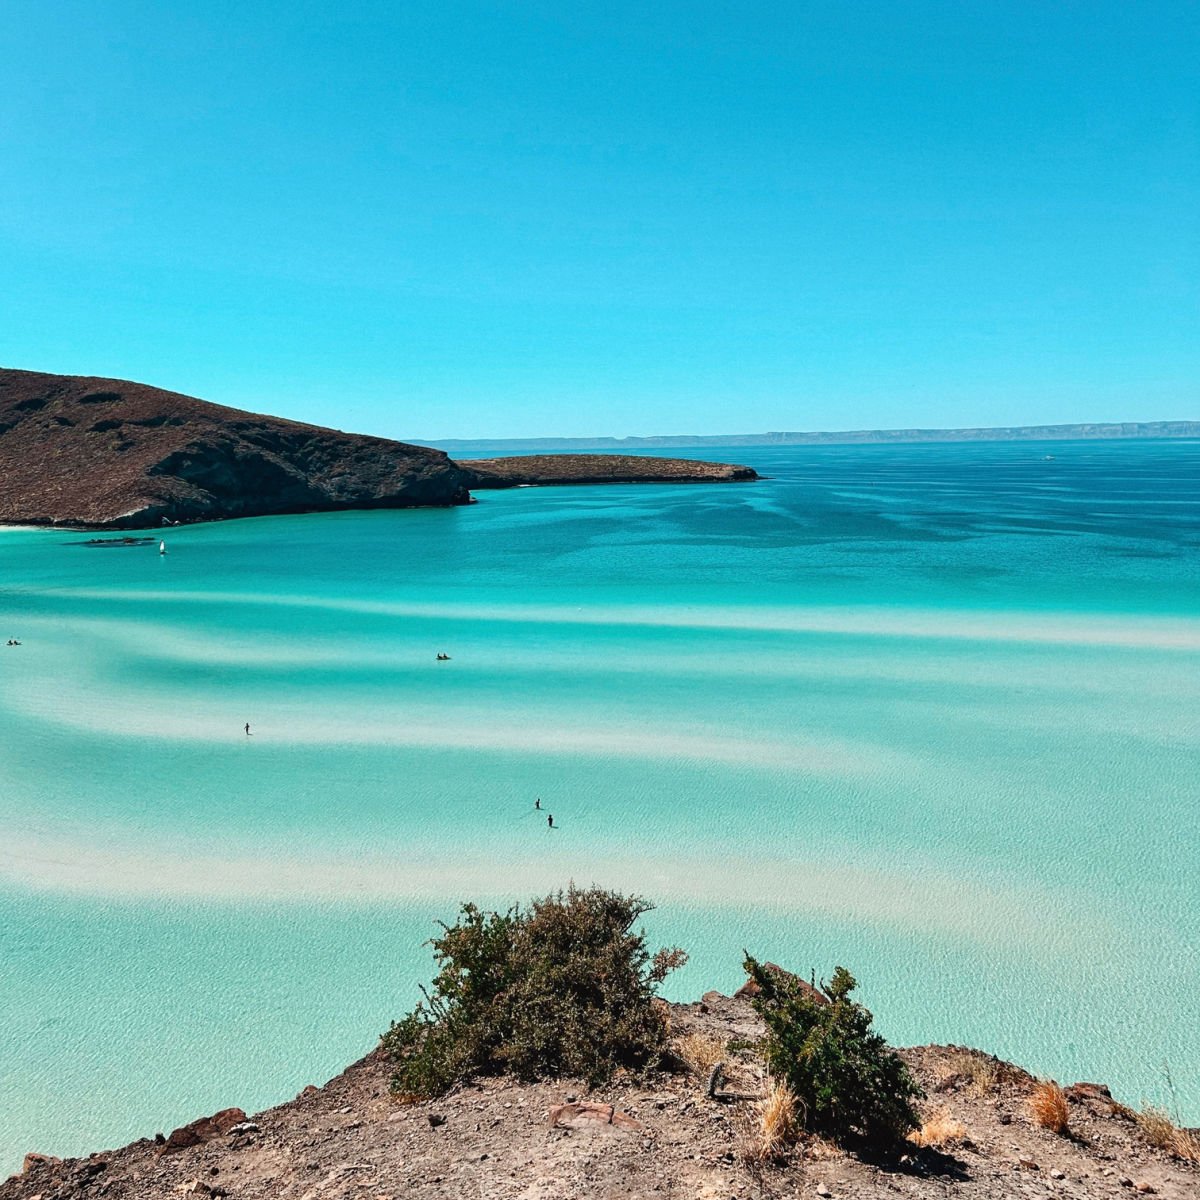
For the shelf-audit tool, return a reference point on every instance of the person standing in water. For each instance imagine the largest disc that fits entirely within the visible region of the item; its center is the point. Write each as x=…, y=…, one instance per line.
x=247, y=728
x=536, y=804
x=550, y=821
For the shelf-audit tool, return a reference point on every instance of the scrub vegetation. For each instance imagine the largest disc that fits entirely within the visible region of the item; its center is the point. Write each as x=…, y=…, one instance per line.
x=565, y=987
x=848, y=1083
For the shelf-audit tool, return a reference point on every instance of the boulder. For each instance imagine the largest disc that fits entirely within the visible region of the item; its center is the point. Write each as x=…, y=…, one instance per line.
x=197, y=1132
x=34, y=1161
x=573, y=1116
x=750, y=989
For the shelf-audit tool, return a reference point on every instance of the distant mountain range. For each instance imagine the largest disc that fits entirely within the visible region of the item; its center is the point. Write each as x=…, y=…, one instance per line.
x=1005, y=433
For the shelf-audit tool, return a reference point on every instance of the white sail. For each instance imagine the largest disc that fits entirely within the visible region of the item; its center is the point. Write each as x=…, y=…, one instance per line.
x=162, y=547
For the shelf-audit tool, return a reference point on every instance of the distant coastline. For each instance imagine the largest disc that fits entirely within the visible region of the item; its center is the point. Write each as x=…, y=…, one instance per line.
x=1099, y=431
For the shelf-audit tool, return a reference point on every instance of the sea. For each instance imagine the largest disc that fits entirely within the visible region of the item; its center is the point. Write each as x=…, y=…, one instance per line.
x=930, y=712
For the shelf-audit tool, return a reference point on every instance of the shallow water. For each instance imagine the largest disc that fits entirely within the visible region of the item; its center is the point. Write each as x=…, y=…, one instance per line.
x=927, y=711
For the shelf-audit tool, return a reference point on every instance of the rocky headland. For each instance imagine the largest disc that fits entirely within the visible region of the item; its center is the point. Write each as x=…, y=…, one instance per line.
x=95, y=453
x=527, y=470
x=92, y=453
x=676, y=1135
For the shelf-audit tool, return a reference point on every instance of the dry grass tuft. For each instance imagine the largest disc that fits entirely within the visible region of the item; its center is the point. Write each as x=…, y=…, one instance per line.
x=820, y=1149
x=770, y=1127
x=976, y=1074
x=940, y=1130
x=700, y=1052
x=1156, y=1127
x=1161, y=1132
x=984, y=1076
x=1048, y=1104
x=1186, y=1145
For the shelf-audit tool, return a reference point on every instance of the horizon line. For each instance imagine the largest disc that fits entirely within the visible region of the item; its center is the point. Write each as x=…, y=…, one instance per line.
x=1066, y=431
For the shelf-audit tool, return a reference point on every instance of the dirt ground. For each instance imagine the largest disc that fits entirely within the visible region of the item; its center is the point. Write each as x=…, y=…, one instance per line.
x=668, y=1139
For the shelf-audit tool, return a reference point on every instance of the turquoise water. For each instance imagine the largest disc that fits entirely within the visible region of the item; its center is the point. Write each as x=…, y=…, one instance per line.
x=926, y=711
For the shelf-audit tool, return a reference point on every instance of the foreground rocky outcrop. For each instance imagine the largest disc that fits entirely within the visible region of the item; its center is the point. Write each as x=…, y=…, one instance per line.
x=108, y=454
x=670, y=1137
x=545, y=469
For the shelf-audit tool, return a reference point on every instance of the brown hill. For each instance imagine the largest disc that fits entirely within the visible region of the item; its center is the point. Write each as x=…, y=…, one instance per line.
x=543, y=469
x=106, y=453
x=671, y=1136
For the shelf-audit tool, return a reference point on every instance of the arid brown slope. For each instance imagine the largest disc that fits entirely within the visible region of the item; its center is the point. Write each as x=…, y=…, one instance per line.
x=526, y=469
x=106, y=453
x=502, y=1140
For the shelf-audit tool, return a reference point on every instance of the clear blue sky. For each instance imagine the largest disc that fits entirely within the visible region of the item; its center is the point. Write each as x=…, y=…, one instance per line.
x=453, y=219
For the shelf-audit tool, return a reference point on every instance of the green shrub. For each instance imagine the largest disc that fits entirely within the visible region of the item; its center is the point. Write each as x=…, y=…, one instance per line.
x=848, y=1081
x=561, y=988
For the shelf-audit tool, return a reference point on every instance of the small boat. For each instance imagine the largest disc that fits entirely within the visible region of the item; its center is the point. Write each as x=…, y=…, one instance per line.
x=162, y=547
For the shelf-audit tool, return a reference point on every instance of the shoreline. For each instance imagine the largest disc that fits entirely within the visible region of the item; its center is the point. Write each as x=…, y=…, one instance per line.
x=482, y=482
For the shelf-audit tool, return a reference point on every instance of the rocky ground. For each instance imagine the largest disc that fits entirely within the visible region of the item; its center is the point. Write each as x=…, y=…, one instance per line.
x=667, y=1139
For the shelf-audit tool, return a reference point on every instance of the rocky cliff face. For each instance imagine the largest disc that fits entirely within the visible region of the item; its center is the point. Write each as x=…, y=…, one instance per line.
x=106, y=453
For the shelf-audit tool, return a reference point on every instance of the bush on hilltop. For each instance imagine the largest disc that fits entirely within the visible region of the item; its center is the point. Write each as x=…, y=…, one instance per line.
x=564, y=987
x=846, y=1079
